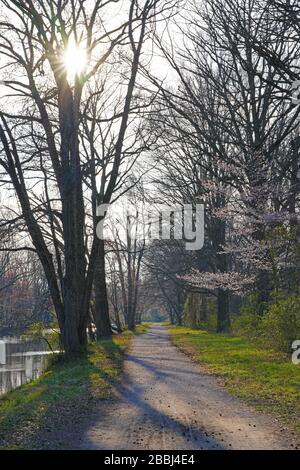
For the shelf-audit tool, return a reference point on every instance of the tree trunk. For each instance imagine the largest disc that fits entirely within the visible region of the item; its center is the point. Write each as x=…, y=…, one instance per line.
x=118, y=321
x=263, y=280
x=264, y=289
x=223, y=324
x=102, y=320
x=203, y=308
x=130, y=286
x=223, y=321
x=73, y=219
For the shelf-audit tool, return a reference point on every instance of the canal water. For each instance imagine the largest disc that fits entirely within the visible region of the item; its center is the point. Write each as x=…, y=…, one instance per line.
x=21, y=361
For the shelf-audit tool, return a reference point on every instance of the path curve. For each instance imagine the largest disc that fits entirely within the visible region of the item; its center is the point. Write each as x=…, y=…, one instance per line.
x=166, y=402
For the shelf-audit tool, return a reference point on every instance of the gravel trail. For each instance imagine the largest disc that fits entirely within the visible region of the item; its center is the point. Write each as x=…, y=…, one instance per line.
x=166, y=402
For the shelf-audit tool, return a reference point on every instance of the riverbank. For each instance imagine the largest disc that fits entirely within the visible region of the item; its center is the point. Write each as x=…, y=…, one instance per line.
x=61, y=397
x=263, y=378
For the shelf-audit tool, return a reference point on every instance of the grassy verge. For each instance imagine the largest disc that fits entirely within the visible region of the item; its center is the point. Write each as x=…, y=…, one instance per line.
x=30, y=415
x=264, y=378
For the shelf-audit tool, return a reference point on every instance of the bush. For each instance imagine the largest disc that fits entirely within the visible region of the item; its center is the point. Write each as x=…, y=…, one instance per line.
x=277, y=328
x=247, y=324
x=280, y=325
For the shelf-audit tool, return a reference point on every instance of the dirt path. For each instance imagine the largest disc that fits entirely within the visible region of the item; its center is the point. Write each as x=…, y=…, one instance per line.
x=166, y=402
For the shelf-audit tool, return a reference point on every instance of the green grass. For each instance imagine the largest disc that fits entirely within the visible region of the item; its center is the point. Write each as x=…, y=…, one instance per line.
x=67, y=390
x=262, y=377
x=142, y=328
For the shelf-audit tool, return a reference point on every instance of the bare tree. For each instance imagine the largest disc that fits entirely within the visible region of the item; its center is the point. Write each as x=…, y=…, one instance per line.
x=41, y=152
x=226, y=130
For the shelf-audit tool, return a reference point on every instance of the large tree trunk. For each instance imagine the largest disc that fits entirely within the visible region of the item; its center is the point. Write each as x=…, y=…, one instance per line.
x=101, y=313
x=264, y=289
x=223, y=323
x=203, y=308
x=73, y=219
x=264, y=283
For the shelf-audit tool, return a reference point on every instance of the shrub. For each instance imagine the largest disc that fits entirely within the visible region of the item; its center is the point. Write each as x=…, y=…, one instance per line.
x=280, y=325
x=210, y=324
x=247, y=324
x=277, y=328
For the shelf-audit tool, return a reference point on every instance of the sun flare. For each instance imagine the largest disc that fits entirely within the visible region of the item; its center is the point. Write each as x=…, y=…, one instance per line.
x=75, y=59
